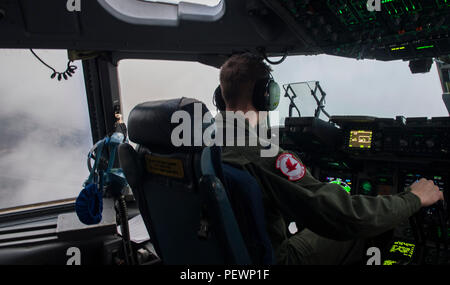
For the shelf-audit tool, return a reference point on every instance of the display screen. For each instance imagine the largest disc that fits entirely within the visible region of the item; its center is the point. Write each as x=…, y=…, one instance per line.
x=360, y=139
x=345, y=183
x=400, y=253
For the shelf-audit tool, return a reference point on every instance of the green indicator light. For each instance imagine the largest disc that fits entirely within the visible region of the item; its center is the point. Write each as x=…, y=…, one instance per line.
x=424, y=47
x=389, y=262
x=367, y=187
x=340, y=11
x=341, y=183
x=347, y=188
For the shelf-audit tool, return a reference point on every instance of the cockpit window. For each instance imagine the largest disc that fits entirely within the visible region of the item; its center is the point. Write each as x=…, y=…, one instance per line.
x=361, y=87
x=148, y=80
x=352, y=87
x=44, y=130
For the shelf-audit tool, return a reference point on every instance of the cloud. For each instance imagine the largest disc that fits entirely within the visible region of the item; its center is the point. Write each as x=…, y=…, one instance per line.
x=367, y=87
x=44, y=129
x=353, y=87
x=148, y=80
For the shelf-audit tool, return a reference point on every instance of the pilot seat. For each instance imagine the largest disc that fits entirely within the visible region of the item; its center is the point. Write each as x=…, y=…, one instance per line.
x=197, y=210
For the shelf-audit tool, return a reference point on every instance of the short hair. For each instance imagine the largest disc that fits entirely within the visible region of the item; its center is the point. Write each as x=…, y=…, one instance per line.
x=238, y=76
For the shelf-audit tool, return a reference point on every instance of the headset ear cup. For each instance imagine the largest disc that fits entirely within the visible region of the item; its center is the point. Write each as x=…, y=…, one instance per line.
x=274, y=95
x=260, y=100
x=219, y=102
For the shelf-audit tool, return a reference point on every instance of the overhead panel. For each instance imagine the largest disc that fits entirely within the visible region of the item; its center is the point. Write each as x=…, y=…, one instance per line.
x=401, y=29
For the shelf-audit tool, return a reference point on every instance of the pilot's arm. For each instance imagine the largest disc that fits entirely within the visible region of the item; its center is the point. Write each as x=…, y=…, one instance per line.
x=325, y=208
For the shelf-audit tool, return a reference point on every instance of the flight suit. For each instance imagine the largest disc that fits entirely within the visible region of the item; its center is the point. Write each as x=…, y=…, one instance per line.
x=335, y=222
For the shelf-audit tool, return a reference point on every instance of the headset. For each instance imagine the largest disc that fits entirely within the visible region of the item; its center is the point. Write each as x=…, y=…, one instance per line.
x=266, y=95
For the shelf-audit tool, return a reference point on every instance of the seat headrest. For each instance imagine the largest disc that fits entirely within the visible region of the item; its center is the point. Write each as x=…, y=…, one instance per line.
x=150, y=124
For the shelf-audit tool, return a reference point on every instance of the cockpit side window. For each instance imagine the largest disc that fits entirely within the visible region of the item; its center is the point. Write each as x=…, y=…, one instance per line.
x=44, y=129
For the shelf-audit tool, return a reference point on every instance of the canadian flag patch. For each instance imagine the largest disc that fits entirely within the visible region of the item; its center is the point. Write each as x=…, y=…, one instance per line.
x=290, y=166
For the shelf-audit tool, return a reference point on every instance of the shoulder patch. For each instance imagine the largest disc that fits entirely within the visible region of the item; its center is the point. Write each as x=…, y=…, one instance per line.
x=290, y=166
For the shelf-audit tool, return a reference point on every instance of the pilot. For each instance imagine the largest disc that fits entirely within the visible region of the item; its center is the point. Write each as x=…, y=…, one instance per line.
x=333, y=223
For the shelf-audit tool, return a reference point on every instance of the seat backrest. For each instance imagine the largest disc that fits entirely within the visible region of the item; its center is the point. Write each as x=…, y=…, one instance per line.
x=182, y=201
x=246, y=199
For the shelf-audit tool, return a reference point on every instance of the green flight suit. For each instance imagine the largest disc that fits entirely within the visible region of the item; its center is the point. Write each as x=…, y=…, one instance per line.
x=334, y=220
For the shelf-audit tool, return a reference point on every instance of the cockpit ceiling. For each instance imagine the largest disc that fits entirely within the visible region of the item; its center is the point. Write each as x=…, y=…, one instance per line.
x=403, y=29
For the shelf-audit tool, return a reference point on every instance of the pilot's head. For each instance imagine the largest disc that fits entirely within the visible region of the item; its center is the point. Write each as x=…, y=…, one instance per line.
x=244, y=80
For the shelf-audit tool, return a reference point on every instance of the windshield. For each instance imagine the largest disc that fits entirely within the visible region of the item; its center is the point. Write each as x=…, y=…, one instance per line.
x=149, y=80
x=352, y=87
x=44, y=131
x=360, y=87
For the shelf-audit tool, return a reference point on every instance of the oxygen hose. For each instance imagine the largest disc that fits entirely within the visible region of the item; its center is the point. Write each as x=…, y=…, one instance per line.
x=123, y=214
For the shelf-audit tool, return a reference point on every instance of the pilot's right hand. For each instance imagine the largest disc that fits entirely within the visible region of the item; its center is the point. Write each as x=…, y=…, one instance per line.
x=427, y=192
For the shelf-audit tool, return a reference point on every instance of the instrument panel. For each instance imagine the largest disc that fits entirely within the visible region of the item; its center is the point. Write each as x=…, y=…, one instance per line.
x=378, y=156
x=411, y=137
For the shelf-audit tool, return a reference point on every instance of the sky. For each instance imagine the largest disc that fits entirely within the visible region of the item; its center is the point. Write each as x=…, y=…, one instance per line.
x=45, y=132
x=367, y=87
x=44, y=129
x=353, y=87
